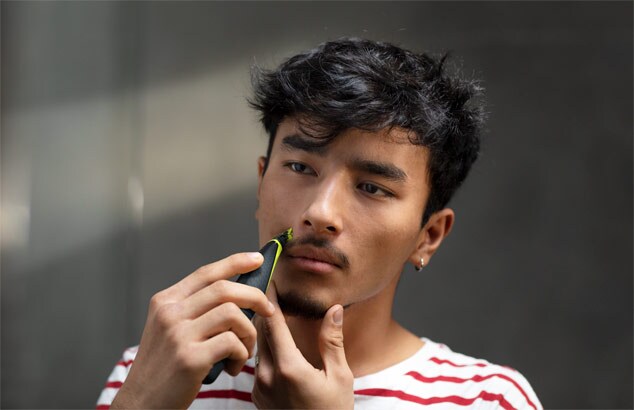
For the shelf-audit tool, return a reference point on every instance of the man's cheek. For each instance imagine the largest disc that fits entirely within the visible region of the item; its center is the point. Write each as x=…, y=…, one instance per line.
x=269, y=204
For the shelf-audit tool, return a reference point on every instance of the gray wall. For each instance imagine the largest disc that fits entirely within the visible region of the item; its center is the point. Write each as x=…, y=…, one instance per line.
x=128, y=160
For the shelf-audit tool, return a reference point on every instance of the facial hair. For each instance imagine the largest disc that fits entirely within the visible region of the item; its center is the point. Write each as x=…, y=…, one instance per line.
x=293, y=304
x=299, y=305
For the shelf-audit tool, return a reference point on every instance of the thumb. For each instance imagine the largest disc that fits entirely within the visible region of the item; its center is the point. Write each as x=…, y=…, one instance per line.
x=331, y=348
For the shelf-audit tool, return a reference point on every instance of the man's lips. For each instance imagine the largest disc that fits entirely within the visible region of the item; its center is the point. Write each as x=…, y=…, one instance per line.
x=314, y=259
x=312, y=265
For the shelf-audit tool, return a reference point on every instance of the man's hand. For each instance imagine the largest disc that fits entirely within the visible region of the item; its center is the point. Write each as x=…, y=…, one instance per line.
x=285, y=379
x=190, y=326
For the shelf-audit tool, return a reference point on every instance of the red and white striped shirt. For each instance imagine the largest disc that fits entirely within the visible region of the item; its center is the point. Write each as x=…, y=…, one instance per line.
x=434, y=377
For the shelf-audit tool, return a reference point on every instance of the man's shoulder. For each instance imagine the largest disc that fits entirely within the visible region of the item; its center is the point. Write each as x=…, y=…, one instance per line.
x=444, y=359
x=438, y=375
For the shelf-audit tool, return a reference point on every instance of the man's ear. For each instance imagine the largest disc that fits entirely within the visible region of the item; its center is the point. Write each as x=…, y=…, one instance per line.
x=261, y=165
x=431, y=236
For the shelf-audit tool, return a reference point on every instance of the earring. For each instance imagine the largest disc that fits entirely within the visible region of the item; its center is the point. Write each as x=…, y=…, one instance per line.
x=421, y=266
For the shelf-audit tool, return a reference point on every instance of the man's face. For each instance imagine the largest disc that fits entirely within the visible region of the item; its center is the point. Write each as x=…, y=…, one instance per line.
x=355, y=206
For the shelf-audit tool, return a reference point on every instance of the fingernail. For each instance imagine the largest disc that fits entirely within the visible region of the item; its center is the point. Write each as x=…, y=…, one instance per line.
x=337, y=318
x=256, y=256
x=271, y=307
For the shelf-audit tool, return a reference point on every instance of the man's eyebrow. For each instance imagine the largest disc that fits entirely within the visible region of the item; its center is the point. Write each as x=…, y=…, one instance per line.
x=388, y=171
x=319, y=147
x=300, y=142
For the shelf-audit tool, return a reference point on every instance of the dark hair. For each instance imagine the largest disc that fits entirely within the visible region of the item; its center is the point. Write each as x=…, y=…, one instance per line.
x=356, y=83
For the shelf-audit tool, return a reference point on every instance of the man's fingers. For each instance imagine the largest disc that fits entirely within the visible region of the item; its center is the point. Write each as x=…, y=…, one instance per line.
x=264, y=363
x=226, y=317
x=224, y=291
x=278, y=336
x=331, y=345
x=223, y=269
x=225, y=345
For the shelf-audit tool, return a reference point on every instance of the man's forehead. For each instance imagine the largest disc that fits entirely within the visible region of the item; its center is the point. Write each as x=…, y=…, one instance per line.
x=296, y=134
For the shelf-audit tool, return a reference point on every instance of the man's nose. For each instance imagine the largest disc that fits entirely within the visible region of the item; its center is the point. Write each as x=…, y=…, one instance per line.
x=323, y=215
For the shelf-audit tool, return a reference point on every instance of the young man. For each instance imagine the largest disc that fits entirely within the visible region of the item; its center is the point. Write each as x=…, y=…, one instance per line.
x=368, y=142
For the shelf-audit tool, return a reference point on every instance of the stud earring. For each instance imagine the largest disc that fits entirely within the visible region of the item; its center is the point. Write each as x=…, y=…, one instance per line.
x=421, y=266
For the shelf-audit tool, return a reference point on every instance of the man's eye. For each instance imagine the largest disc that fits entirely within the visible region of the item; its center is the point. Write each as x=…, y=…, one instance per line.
x=373, y=189
x=299, y=168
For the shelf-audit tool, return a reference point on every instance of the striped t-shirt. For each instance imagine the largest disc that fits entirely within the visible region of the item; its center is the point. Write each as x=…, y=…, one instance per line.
x=434, y=377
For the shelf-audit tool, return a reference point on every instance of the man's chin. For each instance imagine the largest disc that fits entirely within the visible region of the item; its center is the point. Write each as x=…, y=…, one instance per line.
x=293, y=304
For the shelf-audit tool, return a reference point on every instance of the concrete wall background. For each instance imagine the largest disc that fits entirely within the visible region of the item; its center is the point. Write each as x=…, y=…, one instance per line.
x=128, y=160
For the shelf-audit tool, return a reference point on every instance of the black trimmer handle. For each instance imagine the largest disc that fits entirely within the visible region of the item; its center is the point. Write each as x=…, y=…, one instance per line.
x=258, y=278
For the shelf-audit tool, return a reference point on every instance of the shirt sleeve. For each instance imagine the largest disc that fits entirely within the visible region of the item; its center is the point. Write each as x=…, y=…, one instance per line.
x=515, y=392
x=116, y=378
x=527, y=393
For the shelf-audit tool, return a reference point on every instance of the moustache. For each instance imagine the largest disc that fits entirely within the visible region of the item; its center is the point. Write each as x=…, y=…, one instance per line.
x=335, y=254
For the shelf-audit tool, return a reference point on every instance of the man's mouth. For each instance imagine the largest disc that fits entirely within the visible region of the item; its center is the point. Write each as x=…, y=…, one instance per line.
x=312, y=265
x=312, y=254
x=316, y=255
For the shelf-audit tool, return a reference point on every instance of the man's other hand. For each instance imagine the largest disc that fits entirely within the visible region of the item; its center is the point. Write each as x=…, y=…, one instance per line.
x=190, y=326
x=283, y=376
